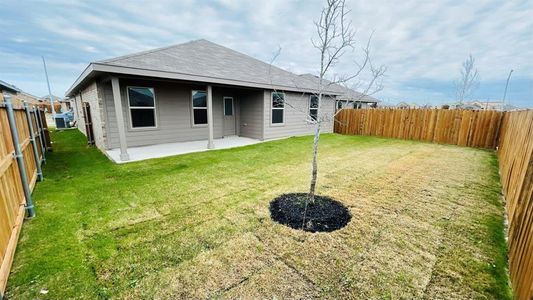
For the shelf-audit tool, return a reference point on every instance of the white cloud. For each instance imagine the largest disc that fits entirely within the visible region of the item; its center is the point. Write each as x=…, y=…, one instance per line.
x=418, y=40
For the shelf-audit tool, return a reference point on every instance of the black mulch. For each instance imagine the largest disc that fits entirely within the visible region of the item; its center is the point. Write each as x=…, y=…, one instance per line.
x=325, y=214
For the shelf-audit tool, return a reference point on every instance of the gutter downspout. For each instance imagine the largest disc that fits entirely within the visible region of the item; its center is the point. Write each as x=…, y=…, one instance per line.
x=20, y=159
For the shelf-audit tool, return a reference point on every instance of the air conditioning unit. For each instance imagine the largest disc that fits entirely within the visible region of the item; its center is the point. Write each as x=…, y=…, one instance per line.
x=64, y=120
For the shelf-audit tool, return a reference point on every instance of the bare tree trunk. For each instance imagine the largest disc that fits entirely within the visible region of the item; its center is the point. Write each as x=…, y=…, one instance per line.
x=314, y=165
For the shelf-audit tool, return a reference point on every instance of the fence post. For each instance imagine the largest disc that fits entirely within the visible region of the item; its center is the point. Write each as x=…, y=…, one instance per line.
x=42, y=134
x=18, y=155
x=33, y=142
x=37, y=113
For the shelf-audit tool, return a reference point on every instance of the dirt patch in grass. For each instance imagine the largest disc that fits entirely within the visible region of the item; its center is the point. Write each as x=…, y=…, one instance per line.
x=322, y=215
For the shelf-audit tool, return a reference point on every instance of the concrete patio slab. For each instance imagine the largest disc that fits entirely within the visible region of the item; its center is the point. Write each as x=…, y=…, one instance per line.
x=170, y=149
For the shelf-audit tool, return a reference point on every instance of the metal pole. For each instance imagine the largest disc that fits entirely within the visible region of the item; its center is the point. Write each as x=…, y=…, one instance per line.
x=506, y=86
x=20, y=159
x=42, y=136
x=33, y=142
x=49, y=91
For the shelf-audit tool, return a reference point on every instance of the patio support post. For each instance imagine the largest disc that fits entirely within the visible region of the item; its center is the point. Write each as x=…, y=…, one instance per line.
x=117, y=99
x=210, y=144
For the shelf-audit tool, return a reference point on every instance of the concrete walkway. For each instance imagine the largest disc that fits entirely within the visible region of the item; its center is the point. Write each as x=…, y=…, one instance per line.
x=170, y=149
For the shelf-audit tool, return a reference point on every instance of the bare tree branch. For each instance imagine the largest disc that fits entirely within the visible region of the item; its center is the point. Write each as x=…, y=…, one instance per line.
x=334, y=38
x=469, y=80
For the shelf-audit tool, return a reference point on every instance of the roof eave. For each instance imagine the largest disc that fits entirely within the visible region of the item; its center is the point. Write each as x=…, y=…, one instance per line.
x=106, y=68
x=80, y=80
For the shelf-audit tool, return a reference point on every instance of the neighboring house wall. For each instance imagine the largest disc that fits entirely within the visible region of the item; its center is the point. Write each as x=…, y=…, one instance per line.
x=9, y=93
x=295, y=116
x=173, y=114
x=18, y=98
x=252, y=115
x=32, y=100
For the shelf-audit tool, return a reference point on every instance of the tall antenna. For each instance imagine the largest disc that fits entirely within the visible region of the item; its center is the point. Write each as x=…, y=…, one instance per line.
x=506, y=86
x=49, y=91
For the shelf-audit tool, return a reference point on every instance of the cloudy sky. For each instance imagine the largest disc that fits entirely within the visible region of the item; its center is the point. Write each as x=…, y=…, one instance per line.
x=422, y=42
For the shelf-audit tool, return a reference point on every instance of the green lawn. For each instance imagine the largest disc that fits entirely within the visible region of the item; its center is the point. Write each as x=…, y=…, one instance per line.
x=427, y=222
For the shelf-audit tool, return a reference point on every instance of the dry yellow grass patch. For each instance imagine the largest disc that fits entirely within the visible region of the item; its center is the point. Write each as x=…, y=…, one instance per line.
x=426, y=223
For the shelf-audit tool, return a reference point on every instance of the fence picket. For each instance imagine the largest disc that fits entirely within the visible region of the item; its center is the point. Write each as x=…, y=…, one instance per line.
x=511, y=133
x=12, y=198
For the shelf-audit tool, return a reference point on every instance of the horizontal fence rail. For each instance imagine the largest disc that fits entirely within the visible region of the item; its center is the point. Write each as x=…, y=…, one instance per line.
x=456, y=127
x=31, y=132
x=515, y=155
x=511, y=133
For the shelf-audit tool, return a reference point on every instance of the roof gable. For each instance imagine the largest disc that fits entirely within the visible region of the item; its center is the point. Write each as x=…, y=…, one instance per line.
x=207, y=59
x=202, y=61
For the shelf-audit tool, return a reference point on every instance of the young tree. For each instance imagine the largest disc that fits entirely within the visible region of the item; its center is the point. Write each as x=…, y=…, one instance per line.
x=469, y=80
x=335, y=37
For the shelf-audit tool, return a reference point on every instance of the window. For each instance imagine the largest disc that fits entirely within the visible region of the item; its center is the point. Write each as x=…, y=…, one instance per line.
x=228, y=106
x=313, y=107
x=339, y=104
x=141, y=101
x=199, y=107
x=278, y=106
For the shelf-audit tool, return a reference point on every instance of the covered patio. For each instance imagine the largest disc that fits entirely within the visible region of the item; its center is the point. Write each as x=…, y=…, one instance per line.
x=170, y=149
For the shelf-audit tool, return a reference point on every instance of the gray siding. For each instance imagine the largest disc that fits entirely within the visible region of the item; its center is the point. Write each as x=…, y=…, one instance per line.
x=295, y=113
x=251, y=115
x=173, y=114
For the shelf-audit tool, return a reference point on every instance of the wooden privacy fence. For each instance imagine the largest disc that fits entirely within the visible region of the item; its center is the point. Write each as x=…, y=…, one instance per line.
x=33, y=142
x=515, y=154
x=457, y=127
x=511, y=133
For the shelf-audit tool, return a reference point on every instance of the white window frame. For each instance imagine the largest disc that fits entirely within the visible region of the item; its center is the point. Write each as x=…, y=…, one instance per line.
x=141, y=107
x=193, y=108
x=343, y=104
x=310, y=108
x=232, y=107
x=272, y=108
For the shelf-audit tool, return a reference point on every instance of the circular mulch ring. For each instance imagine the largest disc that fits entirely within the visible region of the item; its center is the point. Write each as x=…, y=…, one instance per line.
x=325, y=214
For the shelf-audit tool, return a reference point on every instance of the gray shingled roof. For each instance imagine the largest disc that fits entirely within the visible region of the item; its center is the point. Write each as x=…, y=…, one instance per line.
x=204, y=58
x=203, y=61
x=347, y=93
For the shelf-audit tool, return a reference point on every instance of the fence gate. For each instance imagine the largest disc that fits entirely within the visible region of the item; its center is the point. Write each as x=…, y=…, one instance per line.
x=88, y=123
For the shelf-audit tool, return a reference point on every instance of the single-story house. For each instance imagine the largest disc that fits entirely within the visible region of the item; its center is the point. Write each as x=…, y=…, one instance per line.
x=349, y=98
x=405, y=105
x=60, y=104
x=482, y=105
x=194, y=91
x=18, y=96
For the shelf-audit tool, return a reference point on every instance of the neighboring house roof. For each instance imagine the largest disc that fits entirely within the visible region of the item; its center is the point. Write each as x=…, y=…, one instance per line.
x=347, y=93
x=47, y=98
x=4, y=86
x=18, y=96
x=480, y=105
x=405, y=104
x=202, y=61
